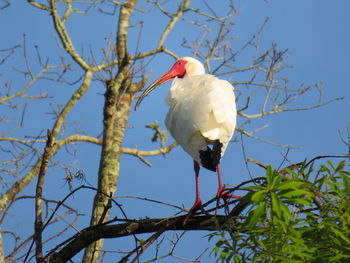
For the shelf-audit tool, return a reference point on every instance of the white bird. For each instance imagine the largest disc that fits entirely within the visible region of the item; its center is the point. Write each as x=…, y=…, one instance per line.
x=202, y=113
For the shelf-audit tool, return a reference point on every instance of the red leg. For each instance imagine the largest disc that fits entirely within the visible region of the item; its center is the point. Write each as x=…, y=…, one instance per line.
x=221, y=194
x=198, y=202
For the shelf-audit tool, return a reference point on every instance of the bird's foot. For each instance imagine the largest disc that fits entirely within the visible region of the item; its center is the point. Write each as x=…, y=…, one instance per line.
x=225, y=196
x=196, y=206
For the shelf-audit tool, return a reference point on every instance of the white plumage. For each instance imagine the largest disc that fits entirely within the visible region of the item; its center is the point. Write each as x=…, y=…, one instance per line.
x=202, y=112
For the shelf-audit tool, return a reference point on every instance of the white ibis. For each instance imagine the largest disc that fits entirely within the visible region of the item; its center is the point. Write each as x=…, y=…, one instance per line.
x=202, y=113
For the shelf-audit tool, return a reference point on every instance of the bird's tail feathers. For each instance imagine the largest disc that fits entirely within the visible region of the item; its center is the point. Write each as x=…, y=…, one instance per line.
x=210, y=158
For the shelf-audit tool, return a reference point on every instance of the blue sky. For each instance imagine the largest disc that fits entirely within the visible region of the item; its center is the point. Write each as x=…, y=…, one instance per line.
x=317, y=38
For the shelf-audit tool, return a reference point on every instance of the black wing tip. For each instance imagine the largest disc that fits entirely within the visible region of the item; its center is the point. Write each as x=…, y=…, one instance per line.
x=210, y=158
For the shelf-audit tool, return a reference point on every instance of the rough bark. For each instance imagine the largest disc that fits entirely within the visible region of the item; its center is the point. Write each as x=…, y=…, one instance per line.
x=91, y=234
x=116, y=112
x=118, y=98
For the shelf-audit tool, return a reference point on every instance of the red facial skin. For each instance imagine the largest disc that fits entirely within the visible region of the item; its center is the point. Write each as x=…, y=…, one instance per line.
x=177, y=70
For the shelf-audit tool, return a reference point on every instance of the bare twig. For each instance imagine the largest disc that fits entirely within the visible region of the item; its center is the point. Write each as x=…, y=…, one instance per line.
x=21, y=93
x=38, y=201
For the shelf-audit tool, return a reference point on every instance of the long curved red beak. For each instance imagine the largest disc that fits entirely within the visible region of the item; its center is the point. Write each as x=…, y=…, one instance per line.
x=171, y=74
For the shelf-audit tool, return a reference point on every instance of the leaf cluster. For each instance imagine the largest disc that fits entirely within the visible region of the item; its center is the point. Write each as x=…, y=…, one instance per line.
x=294, y=216
x=158, y=134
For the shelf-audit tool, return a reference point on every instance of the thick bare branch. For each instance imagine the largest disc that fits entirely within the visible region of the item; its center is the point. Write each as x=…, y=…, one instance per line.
x=65, y=39
x=77, y=95
x=92, y=234
x=118, y=98
x=76, y=138
x=39, y=5
x=38, y=225
x=2, y=255
x=123, y=26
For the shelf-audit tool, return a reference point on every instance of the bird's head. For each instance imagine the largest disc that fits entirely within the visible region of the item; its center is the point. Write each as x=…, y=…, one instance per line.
x=184, y=67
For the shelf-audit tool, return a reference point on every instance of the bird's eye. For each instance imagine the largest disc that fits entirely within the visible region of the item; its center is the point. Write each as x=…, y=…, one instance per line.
x=179, y=63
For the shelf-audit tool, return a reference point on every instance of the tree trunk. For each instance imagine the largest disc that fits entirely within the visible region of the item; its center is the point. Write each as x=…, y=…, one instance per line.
x=116, y=111
x=118, y=98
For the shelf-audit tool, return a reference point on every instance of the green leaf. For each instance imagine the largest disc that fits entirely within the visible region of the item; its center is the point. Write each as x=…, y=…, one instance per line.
x=317, y=230
x=275, y=181
x=152, y=126
x=255, y=215
x=289, y=171
x=346, y=172
x=218, y=246
x=331, y=164
x=158, y=135
x=341, y=235
x=325, y=169
x=340, y=167
x=275, y=202
x=259, y=196
x=285, y=210
x=303, y=201
x=253, y=188
x=293, y=193
x=269, y=175
x=290, y=184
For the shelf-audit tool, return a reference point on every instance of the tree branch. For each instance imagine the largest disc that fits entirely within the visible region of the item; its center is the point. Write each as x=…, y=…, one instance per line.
x=123, y=26
x=38, y=225
x=75, y=138
x=279, y=110
x=140, y=154
x=250, y=134
x=118, y=98
x=94, y=233
x=65, y=39
x=24, y=181
x=20, y=93
x=174, y=19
